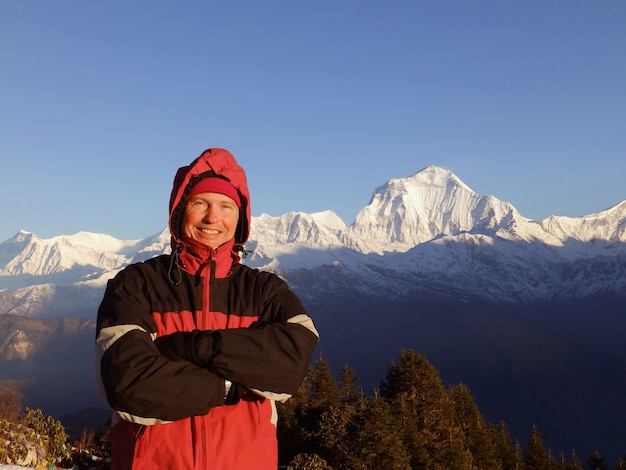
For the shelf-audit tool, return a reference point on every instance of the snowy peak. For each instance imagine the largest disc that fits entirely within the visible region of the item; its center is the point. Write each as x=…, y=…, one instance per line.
x=35, y=256
x=434, y=177
x=152, y=246
x=431, y=203
x=12, y=247
x=607, y=225
x=67, y=259
x=320, y=229
x=302, y=239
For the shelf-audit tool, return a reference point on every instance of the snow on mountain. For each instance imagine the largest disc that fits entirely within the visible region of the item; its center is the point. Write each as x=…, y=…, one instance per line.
x=70, y=258
x=406, y=212
x=80, y=252
x=429, y=229
x=294, y=240
x=319, y=230
x=609, y=225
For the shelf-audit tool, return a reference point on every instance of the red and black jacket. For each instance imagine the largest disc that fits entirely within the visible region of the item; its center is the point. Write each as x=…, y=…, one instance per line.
x=171, y=413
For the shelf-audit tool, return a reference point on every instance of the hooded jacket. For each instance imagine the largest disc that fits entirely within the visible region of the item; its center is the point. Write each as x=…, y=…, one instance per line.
x=172, y=413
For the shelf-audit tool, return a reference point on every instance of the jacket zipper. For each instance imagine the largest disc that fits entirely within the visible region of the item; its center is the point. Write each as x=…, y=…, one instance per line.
x=206, y=308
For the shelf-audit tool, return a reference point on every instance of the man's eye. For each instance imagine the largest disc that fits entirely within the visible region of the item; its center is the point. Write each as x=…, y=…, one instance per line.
x=198, y=205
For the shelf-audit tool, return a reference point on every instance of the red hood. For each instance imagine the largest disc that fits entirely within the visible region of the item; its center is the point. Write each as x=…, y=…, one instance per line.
x=211, y=162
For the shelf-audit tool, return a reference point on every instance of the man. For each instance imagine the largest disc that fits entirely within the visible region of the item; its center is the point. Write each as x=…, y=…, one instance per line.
x=194, y=348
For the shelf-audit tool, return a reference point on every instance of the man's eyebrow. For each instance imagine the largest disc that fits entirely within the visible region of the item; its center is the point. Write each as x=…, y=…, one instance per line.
x=199, y=197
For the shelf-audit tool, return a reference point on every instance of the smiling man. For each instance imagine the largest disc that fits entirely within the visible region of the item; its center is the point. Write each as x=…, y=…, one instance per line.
x=193, y=348
x=212, y=212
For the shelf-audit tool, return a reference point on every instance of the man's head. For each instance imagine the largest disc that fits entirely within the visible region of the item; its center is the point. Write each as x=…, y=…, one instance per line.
x=214, y=171
x=211, y=212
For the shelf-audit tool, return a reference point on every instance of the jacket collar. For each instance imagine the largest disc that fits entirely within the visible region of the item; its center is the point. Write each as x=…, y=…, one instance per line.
x=197, y=258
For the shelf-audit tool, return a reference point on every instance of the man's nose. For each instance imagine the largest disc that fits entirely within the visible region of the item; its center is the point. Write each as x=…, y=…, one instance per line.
x=210, y=216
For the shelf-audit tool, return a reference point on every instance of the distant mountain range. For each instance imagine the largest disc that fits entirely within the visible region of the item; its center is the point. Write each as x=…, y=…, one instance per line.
x=425, y=227
x=529, y=314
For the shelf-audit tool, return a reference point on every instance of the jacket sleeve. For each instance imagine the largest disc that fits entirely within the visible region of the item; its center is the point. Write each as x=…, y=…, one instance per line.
x=272, y=356
x=139, y=383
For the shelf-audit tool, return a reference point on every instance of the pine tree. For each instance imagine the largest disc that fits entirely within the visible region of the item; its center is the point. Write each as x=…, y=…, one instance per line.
x=298, y=426
x=573, y=464
x=293, y=435
x=332, y=440
x=478, y=439
x=535, y=457
x=425, y=414
x=324, y=389
x=519, y=457
x=596, y=462
x=552, y=463
x=375, y=439
x=503, y=446
x=334, y=443
x=349, y=391
x=324, y=396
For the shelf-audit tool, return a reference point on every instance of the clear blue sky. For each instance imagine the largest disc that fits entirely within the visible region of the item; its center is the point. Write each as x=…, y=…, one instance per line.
x=321, y=101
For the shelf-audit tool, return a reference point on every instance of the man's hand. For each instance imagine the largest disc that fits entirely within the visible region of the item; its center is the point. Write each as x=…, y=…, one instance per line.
x=194, y=346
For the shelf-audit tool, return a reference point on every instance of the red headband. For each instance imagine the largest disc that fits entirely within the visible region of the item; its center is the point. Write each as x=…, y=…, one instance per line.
x=216, y=185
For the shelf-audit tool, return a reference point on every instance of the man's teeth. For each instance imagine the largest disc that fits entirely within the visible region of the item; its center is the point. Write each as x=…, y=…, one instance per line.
x=209, y=231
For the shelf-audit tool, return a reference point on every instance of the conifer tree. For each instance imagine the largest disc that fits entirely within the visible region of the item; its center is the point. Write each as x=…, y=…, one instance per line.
x=478, y=439
x=324, y=389
x=349, y=391
x=596, y=462
x=535, y=457
x=332, y=440
x=293, y=435
x=506, y=458
x=323, y=409
x=621, y=464
x=375, y=439
x=334, y=443
x=519, y=456
x=552, y=463
x=300, y=416
x=425, y=413
x=574, y=462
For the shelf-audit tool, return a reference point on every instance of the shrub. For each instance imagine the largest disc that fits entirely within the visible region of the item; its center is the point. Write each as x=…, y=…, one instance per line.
x=10, y=404
x=308, y=462
x=51, y=431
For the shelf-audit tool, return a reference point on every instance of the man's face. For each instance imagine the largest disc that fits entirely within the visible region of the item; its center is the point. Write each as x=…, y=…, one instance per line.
x=210, y=219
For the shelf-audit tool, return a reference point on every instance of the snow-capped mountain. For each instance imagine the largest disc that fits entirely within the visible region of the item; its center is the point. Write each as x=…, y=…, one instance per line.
x=425, y=207
x=409, y=211
x=431, y=232
x=609, y=225
x=67, y=259
x=428, y=231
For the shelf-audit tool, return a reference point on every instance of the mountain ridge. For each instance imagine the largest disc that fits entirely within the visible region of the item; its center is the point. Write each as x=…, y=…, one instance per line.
x=427, y=231
x=430, y=205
